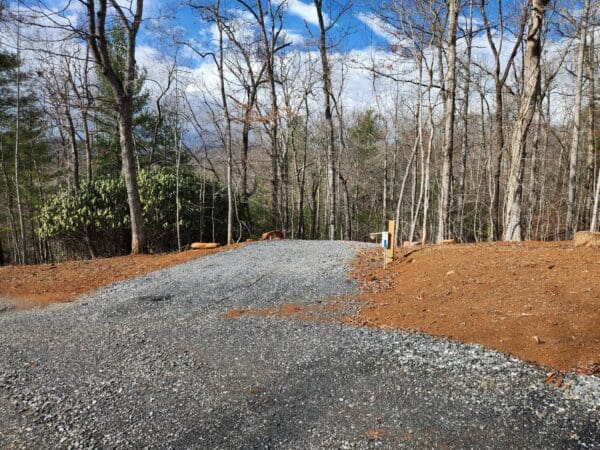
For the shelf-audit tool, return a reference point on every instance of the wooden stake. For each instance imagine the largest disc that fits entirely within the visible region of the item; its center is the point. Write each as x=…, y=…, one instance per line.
x=391, y=243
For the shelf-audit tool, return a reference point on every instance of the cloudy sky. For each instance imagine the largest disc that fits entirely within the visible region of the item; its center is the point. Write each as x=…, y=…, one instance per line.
x=360, y=38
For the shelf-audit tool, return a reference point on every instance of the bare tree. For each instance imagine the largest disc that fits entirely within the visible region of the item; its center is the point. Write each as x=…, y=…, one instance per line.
x=531, y=88
x=500, y=77
x=571, y=223
x=468, y=33
x=123, y=84
x=327, y=93
x=22, y=254
x=449, y=93
x=250, y=78
x=591, y=68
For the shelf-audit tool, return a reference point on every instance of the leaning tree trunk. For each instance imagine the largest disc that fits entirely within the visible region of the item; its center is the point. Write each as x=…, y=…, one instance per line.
x=500, y=76
x=450, y=82
x=531, y=90
x=125, y=119
x=122, y=82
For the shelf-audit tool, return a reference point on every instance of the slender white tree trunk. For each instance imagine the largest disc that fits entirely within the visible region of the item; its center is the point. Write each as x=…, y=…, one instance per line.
x=571, y=222
x=594, y=224
x=331, y=176
x=450, y=86
x=23, y=245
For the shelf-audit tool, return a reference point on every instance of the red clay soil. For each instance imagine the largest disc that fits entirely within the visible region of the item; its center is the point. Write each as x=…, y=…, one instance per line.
x=310, y=313
x=37, y=285
x=537, y=301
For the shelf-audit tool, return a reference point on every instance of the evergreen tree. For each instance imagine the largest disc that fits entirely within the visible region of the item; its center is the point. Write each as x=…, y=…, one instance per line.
x=107, y=135
x=33, y=157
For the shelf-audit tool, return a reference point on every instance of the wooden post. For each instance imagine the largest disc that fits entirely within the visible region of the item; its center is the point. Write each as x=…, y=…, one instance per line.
x=392, y=244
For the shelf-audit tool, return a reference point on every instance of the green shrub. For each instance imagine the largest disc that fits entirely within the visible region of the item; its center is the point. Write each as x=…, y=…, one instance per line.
x=96, y=218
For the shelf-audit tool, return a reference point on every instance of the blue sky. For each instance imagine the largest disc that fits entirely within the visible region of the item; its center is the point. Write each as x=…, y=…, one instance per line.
x=299, y=20
x=362, y=42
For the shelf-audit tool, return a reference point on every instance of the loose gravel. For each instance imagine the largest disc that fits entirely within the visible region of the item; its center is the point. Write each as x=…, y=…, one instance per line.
x=153, y=362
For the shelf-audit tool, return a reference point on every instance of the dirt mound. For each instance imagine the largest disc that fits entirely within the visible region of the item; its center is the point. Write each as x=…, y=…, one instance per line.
x=538, y=301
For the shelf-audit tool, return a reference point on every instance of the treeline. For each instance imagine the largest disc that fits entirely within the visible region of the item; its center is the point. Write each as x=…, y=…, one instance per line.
x=479, y=123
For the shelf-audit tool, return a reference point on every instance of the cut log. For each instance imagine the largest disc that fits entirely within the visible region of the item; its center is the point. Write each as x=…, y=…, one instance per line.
x=271, y=235
x=203, y=245
x=448, y=242
x=586, y=239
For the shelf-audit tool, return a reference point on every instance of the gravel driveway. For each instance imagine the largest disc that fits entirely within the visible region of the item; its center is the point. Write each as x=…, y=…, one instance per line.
x=153, y=362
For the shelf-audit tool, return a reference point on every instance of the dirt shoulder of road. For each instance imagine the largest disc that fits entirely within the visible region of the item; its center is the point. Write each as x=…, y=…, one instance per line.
x=538, y=301
x=39, y=285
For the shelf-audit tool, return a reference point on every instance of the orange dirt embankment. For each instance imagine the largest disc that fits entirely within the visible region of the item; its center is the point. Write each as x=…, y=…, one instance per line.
x=537, y=301
x=35, y=285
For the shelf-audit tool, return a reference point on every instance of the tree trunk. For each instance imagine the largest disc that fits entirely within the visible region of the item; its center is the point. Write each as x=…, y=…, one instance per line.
x=402, y=187
x=122, y=82
x=591, y=119
x=86, y=103
x=450, y=103
x=269, y=48
x=245, y=196
x=531, y=88
x=465, y=136
x=129, y=169
x=571, y=223
x=331, y=176
x=594, y=224
x=497, y=167
x=88, y=146
x=9, y=206
x=73, y=142
x=22, y=253
x=228, y=142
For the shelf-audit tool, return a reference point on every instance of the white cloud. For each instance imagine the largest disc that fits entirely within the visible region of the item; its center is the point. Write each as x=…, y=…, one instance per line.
x=293, y=37
x=378, y=26
x=306, y=11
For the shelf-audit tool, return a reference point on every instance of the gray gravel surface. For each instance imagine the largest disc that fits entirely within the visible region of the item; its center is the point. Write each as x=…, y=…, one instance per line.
x=152, y=362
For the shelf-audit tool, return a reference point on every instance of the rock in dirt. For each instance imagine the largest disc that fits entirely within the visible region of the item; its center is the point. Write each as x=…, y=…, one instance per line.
x=5, y=305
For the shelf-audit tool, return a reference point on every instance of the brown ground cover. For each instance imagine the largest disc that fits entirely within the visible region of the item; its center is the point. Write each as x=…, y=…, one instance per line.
x=35, y=285
x=322, y=312
x=537, y=301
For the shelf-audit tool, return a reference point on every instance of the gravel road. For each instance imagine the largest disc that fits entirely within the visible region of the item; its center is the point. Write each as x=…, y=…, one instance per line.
x=153, y=362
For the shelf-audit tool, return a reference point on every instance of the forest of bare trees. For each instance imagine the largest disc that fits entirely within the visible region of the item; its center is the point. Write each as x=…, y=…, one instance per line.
x=133, y=127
